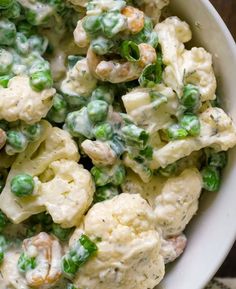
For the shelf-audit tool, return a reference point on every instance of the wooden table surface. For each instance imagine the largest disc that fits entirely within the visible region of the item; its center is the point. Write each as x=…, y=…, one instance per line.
x=227, y=10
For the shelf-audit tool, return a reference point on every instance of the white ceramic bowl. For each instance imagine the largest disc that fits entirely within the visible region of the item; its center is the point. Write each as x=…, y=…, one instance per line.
x=213, y=231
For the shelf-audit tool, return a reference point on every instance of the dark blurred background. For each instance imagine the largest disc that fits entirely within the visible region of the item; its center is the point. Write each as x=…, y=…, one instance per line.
x=227, y=10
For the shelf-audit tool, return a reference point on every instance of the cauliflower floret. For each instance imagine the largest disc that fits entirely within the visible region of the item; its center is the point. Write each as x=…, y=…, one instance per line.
x=100, y=152
x=79, y=80
x=20, y=102
x=10, y=277
x=173, y=247
x=177, y=203
x=152, y=8
x=217, y=131
x=149, y=191
x=69, y=193
x=185, y=66
x=54, y=144
x=151, y=109
x=129, y=252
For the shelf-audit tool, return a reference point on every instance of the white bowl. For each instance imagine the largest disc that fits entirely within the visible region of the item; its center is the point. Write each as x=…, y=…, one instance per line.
x=213, y=231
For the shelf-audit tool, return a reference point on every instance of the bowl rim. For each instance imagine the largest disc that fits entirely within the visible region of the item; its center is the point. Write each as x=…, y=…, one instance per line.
x=222, y=25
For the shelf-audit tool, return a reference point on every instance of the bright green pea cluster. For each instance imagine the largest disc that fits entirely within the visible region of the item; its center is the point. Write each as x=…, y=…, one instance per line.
x=97, y=110
x=78, y=255
x=191, y=98
x=22, y=185
x=109, y=175
x=211, y=173
x=26, y=263
x=40, y=76
x=108, y=24
x=211, y=178
x=103, y=132
x=19, y=137
x=189, y=125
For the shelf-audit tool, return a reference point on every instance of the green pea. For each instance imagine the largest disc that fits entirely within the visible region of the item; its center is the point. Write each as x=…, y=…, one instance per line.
x=176, y=132
x=22, y=185
x=26, y=28
x=168, y=171
x=112, y=23
x=135, y=136
x=101, y=176
x=92, y=24
x=103, y=131
x=101, y=45
x=26, y=263
x=4, y=4
x=3, y=221
x=7, y=32
x=105, y=193
x=41, y=80
x=61, y=233
x=38, y=43
x=32, y=132
x=79, y=254
x=97, y=110
x=22, y=44
x=6, y=61
x=104, y=92
x=13, y=12
x=75, y=101
x=211, y=179
x=16, y=141
x=191, y=98
x=4, y=80
x=130, y=51
x=58, y=111
x=217, y=159
x=78, y=123
x=191, y=124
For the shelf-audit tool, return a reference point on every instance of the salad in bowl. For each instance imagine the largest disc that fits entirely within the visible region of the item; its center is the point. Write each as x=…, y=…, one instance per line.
x=110, y=130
